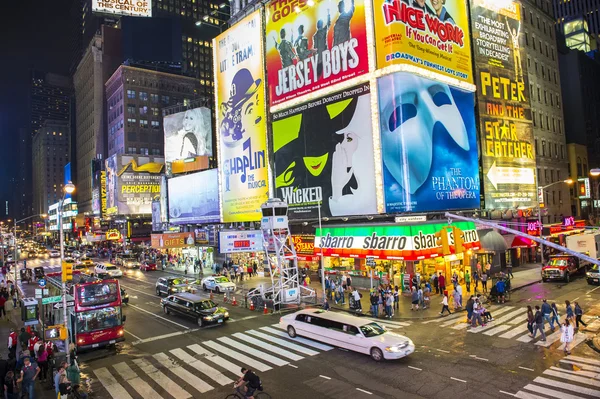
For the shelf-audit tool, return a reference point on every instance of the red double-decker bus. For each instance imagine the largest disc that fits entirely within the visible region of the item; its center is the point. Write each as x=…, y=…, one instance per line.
x=96, y=318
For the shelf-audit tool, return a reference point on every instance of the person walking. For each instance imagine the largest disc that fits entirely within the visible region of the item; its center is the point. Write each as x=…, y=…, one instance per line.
x=435, y=282
x=8, y=309
x=389, y=303
x=373, y=300
x=530, y=320
x=341, y=293
x=29, y=373
x=442, y=283
x=12, y=342
x=500, y=289
x=578, y=315
x=414, y=297
x=421, y=298
x=547, y=312
x=24, y=337
x=555, y=315
x=456, y=296
x=569, y=311
x=488, y=268
x=468, y=281
x=509, y=267
x=566, y=335
x=396, y=298
x=476, y=316
x=469, y=307
x=426, y=296
x=539, y=323
x=445, y=305
x=42, y=361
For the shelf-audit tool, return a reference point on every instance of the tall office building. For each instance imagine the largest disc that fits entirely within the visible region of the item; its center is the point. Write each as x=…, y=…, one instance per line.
x=49, y=98
x=546, y=107
x=565, y=10
x=22, y=203
x=50, y=153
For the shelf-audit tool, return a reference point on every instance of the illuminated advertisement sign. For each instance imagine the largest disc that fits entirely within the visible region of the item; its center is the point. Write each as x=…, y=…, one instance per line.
x=188, y=135
x=135, y=8
x=304, y=244
x=240, y=241
x=583, y=187
x=323, y=154
x=507, y=151
x=424, y=36
x=311, y=45
x=428, y=145
x=132, y=182
x=241, y=120
x=172, y=240
x=194, y=198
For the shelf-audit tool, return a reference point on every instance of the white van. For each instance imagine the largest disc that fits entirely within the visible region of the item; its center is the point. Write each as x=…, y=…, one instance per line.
x=349, y=332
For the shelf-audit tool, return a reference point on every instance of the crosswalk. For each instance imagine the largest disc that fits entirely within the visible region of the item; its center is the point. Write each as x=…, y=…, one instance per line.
x=510, y=322
x=195, y=369
x=576, y=378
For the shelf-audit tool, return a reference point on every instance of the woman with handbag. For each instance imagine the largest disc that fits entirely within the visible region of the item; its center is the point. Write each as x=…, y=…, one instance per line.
x=566, y=335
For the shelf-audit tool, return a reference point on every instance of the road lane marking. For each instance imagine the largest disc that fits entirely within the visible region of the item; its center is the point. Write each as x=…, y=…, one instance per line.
x=570, y=377
x=441, y=350
x=219, y=361
x=283, y=343
x=590, y=291
x=362, y=390
x=159, y=337
x=458, y=379
x=140, y=386
x=581, y=365
x=291, y=365
x=133, y=335
x=205, y=369
x=111, y=385
x=324, y=376
x=415, y=368
x=527, y=395
x=192, y=380
x=268, y=347
x=251, y=351
x=584, y=360
x=136, y=290
x=514, y=332
x=161, y=379
x=525, y=368
x=589, y=374
x=507, y=393
x=238, y=356
x=159, y=317
x=545, y=391
x=568, y=387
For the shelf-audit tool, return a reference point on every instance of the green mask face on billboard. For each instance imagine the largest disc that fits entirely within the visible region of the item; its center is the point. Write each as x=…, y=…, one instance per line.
x=315, y=165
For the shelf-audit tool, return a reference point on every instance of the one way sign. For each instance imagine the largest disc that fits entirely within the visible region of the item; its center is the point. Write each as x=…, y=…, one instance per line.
x=59, y=305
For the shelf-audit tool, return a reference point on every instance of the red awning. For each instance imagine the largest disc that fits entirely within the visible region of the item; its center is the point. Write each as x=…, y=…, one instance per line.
x=522, y=242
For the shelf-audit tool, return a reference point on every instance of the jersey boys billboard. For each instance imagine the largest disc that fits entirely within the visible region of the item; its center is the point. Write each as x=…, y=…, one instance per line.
x=428, y=34
x=507, y=150
x=428, y=145
x=311, y=45
x=323, y=153
x=241, y=122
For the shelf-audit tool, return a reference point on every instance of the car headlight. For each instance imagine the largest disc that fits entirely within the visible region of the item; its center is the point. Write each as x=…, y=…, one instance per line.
x=397, y=348
x=208, y=318
x=588, y=274
x=226, y=314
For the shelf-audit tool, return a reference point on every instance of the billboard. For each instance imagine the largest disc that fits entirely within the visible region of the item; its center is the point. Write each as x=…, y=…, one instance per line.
x=136, y=8
x=240, y=241
x=194, y=198
x=172, y=240
x=428, y=145
x=132, y=182
x=323, y=154
x=313, y=45
x=67, y=177
x=188, y=135
x=507, y=150
x=430, y=35
x=241, y=120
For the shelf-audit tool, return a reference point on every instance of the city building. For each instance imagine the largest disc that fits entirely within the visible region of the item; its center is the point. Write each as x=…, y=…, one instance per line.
x=22, y=199
x=101, y=58
x=135, y=99
x=581, y=193
x=50, y=153
x=69, y=215
x=49, y=98
x=565, y=10
x=546, y=108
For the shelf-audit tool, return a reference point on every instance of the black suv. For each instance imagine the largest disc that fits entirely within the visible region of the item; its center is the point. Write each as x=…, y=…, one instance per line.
x=203, y=311
x=170, y=285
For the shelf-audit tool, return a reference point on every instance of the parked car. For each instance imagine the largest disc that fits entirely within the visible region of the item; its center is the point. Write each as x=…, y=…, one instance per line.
x=348, y=332
x=107, y=270
x=147, y=266
x=217, y=284
x=170, y=285
x=593, y=275
x=203, y=311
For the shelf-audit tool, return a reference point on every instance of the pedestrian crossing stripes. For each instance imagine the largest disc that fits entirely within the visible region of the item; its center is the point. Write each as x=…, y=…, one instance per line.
x=576, y=378
x=190, y=371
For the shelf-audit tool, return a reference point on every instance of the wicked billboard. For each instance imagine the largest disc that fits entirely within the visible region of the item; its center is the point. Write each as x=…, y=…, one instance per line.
x=311, y=45
x=323, y=153
x=507, y=150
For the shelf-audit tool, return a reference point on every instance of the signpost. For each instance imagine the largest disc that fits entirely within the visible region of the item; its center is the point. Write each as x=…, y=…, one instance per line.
x=42, y=283
x=59, y=305
x=371, y=263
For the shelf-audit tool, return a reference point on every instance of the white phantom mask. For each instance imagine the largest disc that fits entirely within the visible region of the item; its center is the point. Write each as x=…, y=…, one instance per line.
x=410, y=107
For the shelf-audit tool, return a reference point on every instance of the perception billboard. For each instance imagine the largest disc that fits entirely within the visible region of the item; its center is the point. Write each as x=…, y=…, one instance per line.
x=136, y=8
x=132, y=182
x=194, y=198
x=188, y=134
x=313, y=45
x=431, y=35
x=323, y=153
x=507, y=150
x=241, y=120
x=428, y=145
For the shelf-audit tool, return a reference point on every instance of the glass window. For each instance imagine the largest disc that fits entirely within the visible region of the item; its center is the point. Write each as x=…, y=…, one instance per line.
x=143, y=123
x=130, y=93
x=372, y=330
x=143, y=110
x=98, y=319
x=205, y=305
x=96, y=294
x=155, y=124
x=165, y=99
x=131, y=109
x=155, y=111
x=143, y=96
x=154, y=98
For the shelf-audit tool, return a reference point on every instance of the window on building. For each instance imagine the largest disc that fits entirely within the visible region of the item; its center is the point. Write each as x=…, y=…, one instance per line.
x=132, y=136
x=534, y=118
x=165, y=99
x=155, y=124
x=543, y=71
x=548, y=122
x=155, y=151
x=551, y=175
x=539, y=177
x=543, y=148
x=131, y=109
x=143, y=110
x=130, y=93
x=545, y=97
x=536, y=146
x=131, y=150
x=526, y=39
x=154, y=98
x=546, y=176
x=539, y=94
x=144, y=151
x=536, y=67
x=559, y=197
x=131, y=122
x=155, y=111
x=143, y=96
x=143, y=123
x=533, y=41
x=541, y=49
x=554, y=199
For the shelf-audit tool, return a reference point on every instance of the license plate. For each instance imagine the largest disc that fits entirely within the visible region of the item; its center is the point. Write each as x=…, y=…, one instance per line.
x=112, y=341
x=95, y=345
x=220, y=321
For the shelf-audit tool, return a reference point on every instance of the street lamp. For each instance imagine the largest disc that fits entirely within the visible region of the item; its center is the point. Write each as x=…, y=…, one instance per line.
x=568, y=181
x=69, y=188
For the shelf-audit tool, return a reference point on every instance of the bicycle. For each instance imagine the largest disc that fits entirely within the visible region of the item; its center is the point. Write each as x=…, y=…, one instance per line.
x=238, y=394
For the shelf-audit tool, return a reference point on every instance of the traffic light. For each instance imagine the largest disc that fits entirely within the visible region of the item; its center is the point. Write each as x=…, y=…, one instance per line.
x=54, y=333
x=67, y=271
x=441, y=240
x=459, y=243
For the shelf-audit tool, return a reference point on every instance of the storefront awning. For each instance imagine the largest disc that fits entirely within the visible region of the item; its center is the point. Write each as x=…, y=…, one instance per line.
x=492, y=241
x=402, y=242
x=514, y=241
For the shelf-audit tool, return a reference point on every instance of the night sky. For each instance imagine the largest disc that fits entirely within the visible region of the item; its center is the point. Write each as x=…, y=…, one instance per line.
x=33, y=34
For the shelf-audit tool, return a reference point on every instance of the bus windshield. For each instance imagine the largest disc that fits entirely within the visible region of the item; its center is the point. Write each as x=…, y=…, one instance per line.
x=98, y=319
x=97, y=294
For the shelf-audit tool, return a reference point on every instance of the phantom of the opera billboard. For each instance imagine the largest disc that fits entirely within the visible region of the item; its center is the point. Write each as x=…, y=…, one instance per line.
x=132, y=182
x=311, y=45
x=430, y=35
x=241, y=120
x=194, y=198
x=428, y=145
x=135, y=8
x=188, y=135
x=323, y=153
x=507, y=150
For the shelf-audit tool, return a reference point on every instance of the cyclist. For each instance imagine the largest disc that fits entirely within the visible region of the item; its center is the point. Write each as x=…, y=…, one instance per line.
x=250, y=382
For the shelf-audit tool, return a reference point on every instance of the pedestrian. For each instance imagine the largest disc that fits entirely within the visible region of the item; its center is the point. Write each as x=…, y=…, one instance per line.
x=454, y=279
x=435, y=282
x=442, y=283
x=389, y=302
x=484, y=278
x=349, y=282
x=469, y=307
x=341, y=294
x=333, y=288
x=509, y=267
x=460, y=294
x=569, y=311
x=478, y=268
x=476, y=279
x=57, y=376
x=12, y=342
x=426, y=296
x=488, y=268
x=476, y=316
x=578, y=315
x=530, y=320
x=421, y=297
x=42, y=361
x=356, y=295
x=396, y=298
x=373, y=300
x=24, y=337
x=555, y=315
x=29, y=373
x=456, y=297
x=468, y=281
x=380, y=300
x=566, y=335
x=11, y=387
x=500, y=288
x=539, y=323
x=414, y=297
x=547, y=312
x=445, y=305
x=486, y=315
x=8, y=308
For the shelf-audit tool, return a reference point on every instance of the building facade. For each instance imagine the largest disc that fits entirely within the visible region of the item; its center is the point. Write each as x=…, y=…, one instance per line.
x=135, y=99
x=546, y=108
x=564, y=10
x=50, y=153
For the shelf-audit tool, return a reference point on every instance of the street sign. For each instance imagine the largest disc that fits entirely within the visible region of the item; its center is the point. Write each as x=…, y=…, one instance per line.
x=42, y=283
x=59, y=305
x=51, y=299
x=46, y=291
x=38, y=293
x=371, y=261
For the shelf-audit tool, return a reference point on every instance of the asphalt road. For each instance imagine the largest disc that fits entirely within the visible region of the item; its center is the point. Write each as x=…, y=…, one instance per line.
x=167, y=356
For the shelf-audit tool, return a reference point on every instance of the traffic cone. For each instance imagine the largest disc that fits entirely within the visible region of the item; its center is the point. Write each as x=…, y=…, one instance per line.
x=234, y=302
x=212, y=296
x=252, y=305
x=225, y=297
x=265, y=310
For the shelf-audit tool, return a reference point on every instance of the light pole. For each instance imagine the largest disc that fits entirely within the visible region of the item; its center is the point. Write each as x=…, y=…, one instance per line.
x=69, y=188
x=15, y=244
x=321, y=258
x=568, y=181
x=595, y=173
